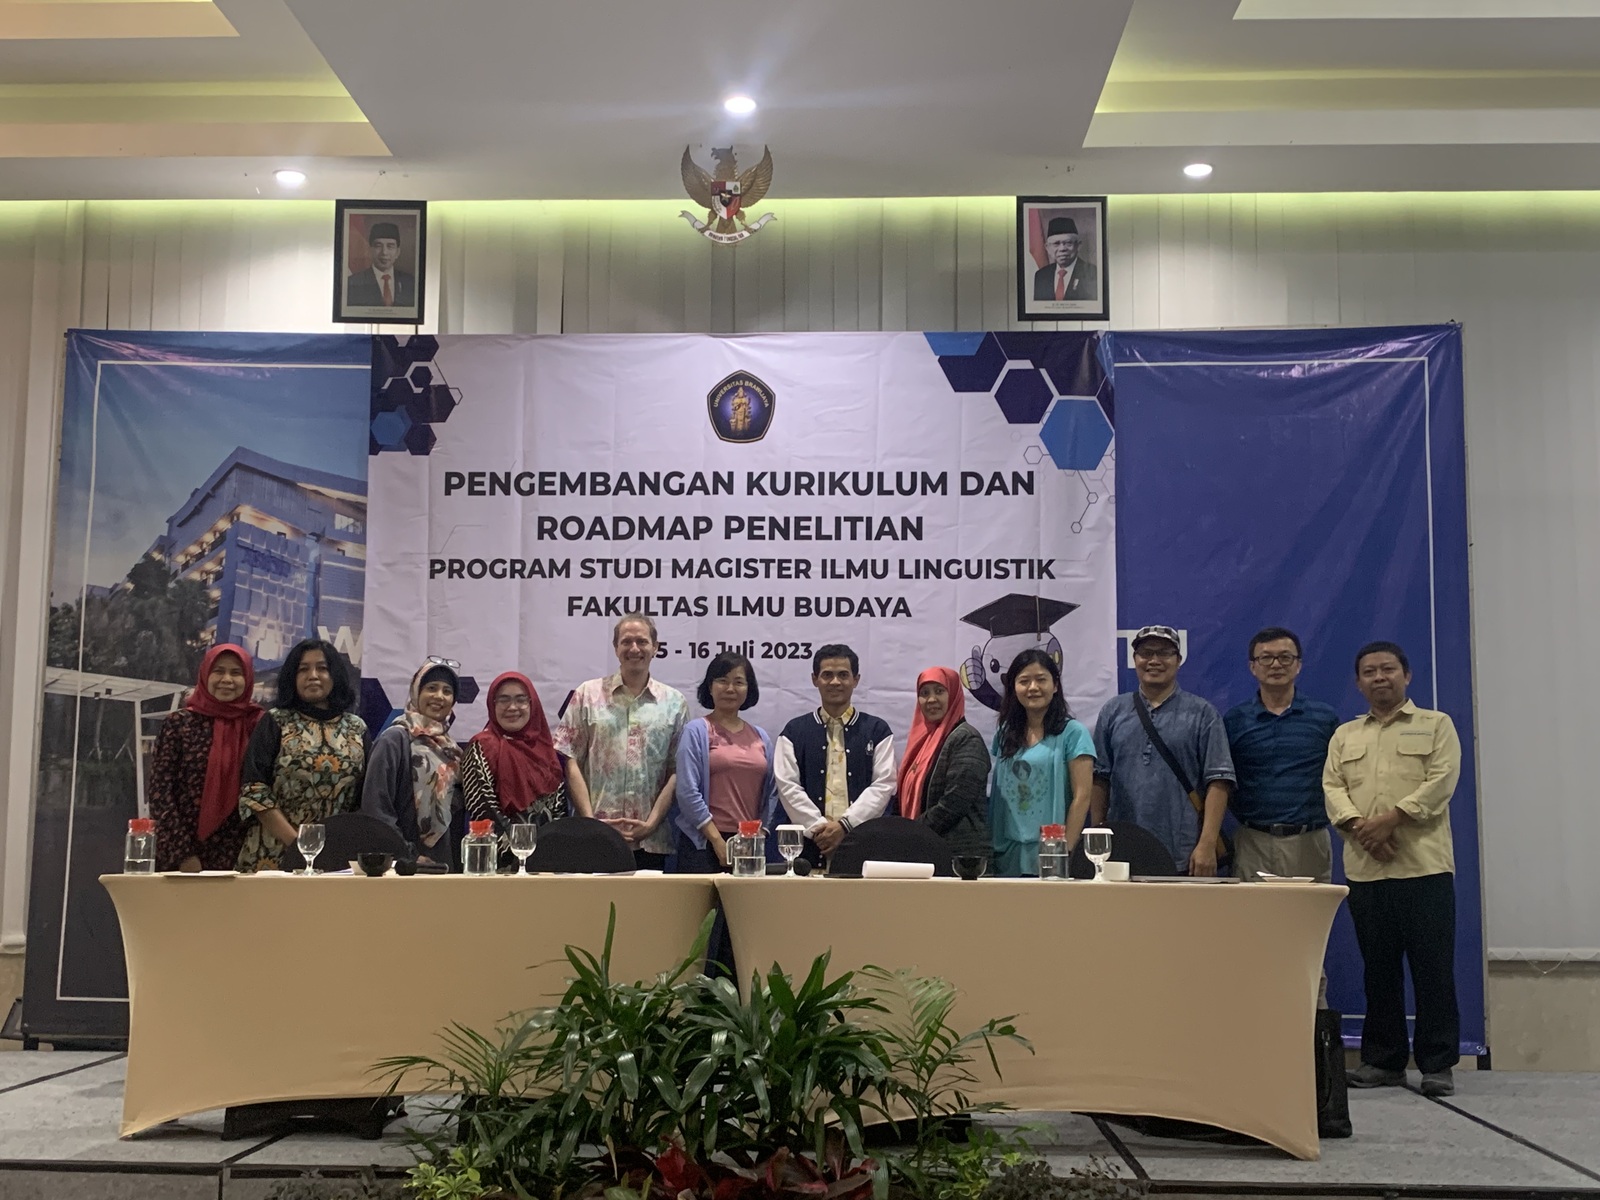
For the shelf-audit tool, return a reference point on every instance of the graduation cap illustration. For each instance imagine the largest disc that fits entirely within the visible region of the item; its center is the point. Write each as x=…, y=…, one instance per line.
x=1014, y=623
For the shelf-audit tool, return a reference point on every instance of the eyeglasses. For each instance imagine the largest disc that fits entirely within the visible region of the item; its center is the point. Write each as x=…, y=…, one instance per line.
x=1156, y=653
x=512, y=702
x=1275, y=660
x=435, y=661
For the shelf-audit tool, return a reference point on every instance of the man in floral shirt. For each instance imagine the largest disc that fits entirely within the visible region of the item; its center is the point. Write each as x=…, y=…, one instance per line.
x=620, y=737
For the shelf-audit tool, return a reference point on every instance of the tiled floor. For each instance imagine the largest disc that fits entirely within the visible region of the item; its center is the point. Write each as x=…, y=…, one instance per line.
x=1503, y=1134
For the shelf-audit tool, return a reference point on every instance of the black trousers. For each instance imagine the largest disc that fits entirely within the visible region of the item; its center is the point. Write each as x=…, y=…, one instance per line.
x=719, y=951
x=1400, y=923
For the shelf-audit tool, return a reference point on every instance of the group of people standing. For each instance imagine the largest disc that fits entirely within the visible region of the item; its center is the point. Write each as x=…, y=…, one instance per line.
x=231, y=783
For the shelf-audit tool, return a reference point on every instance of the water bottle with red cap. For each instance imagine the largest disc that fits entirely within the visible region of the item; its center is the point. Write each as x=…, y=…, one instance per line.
x=1052, y=852
x=479, y=849
x=139, y=855
x=747, y=851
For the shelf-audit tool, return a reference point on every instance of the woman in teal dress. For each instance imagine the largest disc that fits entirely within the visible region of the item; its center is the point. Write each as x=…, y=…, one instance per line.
x=1042, y=756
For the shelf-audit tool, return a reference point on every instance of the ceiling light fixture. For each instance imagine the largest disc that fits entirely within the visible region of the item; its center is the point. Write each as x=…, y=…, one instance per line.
x=1197, y=170
x=290, y=179
x=739, y=106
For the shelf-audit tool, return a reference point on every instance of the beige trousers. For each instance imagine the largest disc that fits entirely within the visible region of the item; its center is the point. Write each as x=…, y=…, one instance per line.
x=1302, y=854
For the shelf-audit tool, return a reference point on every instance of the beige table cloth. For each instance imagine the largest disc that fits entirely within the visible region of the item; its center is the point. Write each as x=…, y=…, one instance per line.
x=1187, y=1000
x=253, y=988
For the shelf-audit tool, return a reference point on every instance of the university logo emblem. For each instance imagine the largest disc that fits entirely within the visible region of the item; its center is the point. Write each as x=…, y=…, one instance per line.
x=741, y=408
x=726, y=195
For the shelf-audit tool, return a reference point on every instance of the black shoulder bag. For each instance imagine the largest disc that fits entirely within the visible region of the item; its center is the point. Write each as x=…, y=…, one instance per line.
x=1223, y=849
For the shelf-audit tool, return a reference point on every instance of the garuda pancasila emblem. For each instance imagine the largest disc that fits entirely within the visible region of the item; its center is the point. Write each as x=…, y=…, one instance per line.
x=726, y=195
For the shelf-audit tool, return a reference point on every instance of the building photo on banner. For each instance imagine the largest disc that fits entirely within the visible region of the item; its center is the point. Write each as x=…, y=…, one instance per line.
x=212, y=490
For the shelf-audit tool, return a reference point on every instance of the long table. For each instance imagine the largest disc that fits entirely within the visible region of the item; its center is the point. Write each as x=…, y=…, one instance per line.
x=1186, y=1000
x=253, y=988
x=1192, y=1001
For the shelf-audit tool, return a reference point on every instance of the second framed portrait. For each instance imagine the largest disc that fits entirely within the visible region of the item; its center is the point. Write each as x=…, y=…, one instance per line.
x=379, y=261
x=1061, y=259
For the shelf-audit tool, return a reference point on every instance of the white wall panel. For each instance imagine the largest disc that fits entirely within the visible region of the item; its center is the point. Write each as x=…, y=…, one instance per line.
x=1522, y=272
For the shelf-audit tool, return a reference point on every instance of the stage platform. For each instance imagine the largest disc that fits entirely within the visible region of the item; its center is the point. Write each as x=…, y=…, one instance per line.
x=1503, y=1135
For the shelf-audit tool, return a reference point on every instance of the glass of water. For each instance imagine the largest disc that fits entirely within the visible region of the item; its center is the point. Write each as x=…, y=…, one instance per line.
x=1097, y=848
x=311, y=840
x=524, y=839
x=791, y=841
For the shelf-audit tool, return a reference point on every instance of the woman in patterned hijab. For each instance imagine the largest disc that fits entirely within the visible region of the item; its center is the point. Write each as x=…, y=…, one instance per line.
x=413, y=771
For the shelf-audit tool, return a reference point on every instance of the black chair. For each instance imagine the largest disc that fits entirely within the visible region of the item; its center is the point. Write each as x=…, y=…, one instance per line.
x=580, y=846
x=350, y=834
x=891, y=839
x=1130, y=843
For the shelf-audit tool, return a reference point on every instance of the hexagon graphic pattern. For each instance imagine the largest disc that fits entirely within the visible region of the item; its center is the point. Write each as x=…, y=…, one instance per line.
x=409, y=395
x=389, y=429
x=1023, y=395
x=977, y=370
x=1076, y=433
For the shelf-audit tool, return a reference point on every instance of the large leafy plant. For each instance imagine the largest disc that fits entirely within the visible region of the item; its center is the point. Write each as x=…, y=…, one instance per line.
x=682, y=1083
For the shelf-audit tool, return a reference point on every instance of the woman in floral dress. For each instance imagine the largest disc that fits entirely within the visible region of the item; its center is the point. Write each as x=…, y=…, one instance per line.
x=196, y=763
x=305, y=757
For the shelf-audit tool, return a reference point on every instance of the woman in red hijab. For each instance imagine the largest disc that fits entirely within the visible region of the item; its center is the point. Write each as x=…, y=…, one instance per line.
x=944, y=777
x=194, y=768
x=510, y=773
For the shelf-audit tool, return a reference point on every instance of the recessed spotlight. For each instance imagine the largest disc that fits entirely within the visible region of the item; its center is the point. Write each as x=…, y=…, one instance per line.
x=1197, y=170
x=739, y=106
x=290, y=179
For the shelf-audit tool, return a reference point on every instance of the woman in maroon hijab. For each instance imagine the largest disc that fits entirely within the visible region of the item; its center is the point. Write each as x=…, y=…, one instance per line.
x=194, y=768
x=510, y=773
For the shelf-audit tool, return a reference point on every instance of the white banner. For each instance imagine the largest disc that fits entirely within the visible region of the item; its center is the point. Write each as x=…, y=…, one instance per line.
x=768, y=494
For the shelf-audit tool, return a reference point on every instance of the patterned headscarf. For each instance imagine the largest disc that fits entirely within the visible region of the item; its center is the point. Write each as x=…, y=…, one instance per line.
x=922, y=747
x=435, y=757
x=232, y=722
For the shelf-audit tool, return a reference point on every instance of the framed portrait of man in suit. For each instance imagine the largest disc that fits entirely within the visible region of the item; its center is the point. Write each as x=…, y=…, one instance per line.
x=380, y=261
x=1061, y=259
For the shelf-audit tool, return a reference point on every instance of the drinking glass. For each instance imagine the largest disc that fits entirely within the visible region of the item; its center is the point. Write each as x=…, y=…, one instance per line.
x=791, y=841
x=311, y=840
x=524, y=837
x=1097, y=848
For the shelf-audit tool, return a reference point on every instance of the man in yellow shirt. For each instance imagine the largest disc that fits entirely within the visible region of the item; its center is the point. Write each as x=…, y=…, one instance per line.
x=1388, y=782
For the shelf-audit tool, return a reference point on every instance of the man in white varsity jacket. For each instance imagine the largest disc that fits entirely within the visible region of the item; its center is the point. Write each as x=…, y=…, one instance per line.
x=834, y=765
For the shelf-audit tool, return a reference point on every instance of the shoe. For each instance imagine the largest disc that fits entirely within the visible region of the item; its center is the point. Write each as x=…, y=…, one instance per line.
x=1438, y=1083
x=1369, y=1076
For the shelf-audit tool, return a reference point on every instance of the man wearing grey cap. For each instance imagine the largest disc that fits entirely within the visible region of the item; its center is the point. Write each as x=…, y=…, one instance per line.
x=382, y=285
x=1066, y=276
x=1162, y=758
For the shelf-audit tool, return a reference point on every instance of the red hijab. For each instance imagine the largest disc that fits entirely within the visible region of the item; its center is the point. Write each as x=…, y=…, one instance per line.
x=524, y=763
x=922, y=747
x=231, y=726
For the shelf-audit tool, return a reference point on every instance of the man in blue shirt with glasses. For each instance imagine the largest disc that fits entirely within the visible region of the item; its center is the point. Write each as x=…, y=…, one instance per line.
x=1279, y=742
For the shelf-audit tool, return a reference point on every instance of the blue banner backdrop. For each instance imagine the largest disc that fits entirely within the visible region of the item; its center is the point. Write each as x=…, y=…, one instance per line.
x=1314, y=479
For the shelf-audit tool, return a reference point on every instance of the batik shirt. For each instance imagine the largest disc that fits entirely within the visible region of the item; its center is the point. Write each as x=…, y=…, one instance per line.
x=626, y=747
x=308, y=769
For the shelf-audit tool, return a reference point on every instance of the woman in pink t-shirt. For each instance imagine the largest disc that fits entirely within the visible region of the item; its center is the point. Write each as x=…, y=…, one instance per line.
x=724, y=768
